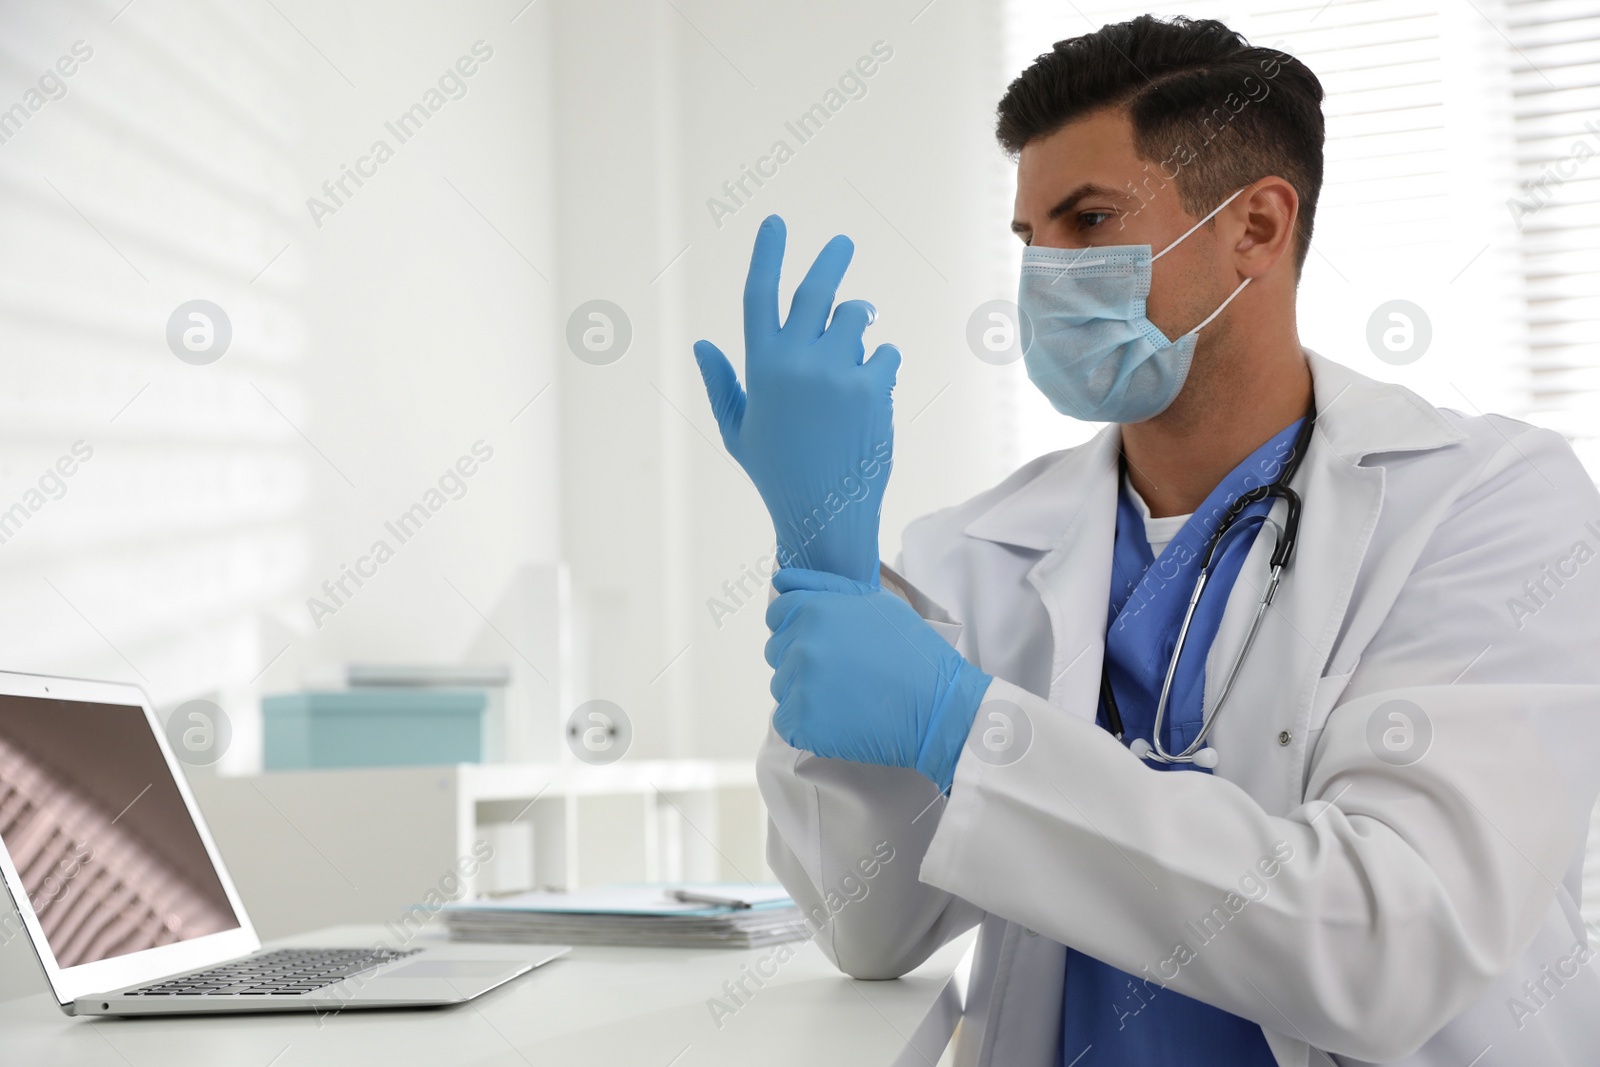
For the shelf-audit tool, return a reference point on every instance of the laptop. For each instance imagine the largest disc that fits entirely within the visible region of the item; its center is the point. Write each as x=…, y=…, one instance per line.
x=127, y=902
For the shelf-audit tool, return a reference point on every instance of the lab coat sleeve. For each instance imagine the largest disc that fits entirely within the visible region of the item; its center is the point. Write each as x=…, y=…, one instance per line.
x=1366, y=918
x=846, y=839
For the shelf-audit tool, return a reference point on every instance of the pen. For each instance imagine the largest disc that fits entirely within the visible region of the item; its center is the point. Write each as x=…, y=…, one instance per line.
x=686, y=896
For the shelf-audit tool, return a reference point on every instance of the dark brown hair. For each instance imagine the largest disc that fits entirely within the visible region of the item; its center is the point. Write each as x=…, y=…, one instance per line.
x=1210, y=110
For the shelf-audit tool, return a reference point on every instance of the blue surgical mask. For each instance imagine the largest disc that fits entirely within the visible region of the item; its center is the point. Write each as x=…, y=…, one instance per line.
x=1094, y=354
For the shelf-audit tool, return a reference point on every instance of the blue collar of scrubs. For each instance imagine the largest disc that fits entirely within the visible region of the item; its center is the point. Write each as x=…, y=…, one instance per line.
x=1149, y=595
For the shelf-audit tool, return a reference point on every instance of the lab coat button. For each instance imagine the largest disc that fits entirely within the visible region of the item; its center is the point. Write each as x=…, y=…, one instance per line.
x=1284, y=737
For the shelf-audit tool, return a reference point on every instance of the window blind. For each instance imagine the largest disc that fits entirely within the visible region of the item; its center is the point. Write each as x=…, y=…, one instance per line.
x=1556, y=93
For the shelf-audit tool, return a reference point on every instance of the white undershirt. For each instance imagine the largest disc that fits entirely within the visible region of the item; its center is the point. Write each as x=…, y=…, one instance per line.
x=1159, y=532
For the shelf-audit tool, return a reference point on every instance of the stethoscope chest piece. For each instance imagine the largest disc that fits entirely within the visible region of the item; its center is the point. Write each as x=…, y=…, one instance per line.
x=1205, y=757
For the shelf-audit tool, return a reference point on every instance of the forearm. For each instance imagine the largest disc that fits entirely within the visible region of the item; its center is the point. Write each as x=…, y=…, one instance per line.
x=847, y=840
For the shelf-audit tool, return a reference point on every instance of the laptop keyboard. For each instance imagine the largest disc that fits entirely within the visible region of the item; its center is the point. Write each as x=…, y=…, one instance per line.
x=287, y=972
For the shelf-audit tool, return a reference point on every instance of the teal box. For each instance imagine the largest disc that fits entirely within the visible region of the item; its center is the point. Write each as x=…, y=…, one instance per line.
x=373, y=727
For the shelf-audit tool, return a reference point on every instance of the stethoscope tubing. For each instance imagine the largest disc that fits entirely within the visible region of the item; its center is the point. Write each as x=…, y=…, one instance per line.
x=1287, y=535
x=1158, y=751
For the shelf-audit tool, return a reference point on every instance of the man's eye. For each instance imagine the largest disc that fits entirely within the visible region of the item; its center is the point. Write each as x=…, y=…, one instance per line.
x=1088, y=220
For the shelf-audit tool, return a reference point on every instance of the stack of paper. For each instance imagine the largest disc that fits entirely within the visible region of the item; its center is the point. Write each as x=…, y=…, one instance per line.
x=636, y=915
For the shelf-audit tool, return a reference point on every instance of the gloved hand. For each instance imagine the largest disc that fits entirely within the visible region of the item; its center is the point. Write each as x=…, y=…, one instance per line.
x=815, y=431
x=859, y=675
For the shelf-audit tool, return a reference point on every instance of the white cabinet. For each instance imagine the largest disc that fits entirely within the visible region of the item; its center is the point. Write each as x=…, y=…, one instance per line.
x=319, y=848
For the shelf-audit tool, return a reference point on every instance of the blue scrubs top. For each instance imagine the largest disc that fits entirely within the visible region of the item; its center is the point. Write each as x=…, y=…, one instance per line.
x=1111, y=1018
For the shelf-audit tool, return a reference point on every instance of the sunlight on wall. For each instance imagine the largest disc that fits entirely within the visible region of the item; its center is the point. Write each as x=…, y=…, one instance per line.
x=158, y=172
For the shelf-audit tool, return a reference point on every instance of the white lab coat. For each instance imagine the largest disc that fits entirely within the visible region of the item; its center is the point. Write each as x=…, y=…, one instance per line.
x=1418, y=900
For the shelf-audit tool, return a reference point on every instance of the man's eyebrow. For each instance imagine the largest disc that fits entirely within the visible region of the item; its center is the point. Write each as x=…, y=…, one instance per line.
x=1070, y=201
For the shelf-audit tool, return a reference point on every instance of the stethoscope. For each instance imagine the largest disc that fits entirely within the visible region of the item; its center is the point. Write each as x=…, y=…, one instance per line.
x=1287, y=534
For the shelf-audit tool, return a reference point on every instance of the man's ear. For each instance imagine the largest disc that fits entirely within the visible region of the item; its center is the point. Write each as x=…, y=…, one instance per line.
x=1271, y=207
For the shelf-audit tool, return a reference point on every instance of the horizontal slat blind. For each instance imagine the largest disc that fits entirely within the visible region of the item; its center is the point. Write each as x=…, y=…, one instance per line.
x=1557, y=104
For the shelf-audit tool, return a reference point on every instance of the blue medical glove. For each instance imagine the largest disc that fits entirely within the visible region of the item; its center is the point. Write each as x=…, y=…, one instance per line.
x=814, y=432
x=860, y=676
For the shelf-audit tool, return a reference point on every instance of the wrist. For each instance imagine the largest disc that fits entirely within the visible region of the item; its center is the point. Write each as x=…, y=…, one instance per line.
x=858, y=561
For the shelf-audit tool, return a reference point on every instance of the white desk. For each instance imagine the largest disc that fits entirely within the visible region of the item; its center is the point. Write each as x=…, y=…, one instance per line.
x=614, y=1007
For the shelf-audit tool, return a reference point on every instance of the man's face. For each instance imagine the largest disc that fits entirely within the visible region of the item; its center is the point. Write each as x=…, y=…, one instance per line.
x=1085, y=185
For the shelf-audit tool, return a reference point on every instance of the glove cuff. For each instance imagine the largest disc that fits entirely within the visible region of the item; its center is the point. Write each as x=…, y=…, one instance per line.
x=950, y=724
x=815, y=555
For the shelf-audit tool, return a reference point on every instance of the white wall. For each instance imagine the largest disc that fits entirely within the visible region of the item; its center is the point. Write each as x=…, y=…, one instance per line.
x=372, y=346
x=432, y=317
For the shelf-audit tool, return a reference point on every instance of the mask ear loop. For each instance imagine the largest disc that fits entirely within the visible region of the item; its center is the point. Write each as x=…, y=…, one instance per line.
x=1199, y=224
x=1207, y=321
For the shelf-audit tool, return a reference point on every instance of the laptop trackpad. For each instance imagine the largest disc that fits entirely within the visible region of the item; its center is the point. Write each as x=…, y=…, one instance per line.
x=451, y=969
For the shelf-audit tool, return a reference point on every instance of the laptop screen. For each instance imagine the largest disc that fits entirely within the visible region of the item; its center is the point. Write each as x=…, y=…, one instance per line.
x=91, y=817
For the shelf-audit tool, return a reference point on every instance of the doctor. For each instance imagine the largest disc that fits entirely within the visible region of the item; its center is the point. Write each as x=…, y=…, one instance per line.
x=1259, y=730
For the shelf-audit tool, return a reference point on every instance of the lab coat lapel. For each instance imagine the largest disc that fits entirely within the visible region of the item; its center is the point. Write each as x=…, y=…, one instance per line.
x=1070, y=513
x=1263, y=734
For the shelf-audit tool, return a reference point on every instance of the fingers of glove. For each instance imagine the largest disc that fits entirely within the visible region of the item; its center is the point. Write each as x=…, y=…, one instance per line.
x=886, y=362
x=850, y=321
x=761, y=284
x=786, y=675
x=792, y=579
x=722, y=387
x=783, y=607
x=787, y=718
x=779, y=643
x=813, y=297
x=789, y=672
